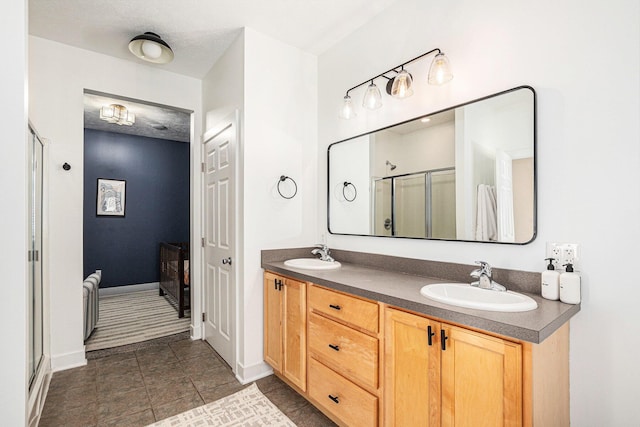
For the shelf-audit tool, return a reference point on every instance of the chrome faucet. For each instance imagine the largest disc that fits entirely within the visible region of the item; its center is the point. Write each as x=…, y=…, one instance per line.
x=485, y=280
x=324, y=252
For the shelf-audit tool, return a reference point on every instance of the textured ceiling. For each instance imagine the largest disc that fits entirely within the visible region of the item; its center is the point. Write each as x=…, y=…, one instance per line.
x=152, y=121
x=198, y=31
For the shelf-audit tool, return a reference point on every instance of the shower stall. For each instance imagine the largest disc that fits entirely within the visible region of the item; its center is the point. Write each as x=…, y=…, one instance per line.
x=418, y=204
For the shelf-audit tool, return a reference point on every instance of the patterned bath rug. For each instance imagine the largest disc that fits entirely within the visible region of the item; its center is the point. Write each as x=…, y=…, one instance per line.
x=248, y=407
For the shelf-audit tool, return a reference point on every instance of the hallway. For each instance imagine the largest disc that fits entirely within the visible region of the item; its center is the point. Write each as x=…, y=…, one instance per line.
x=142, y=386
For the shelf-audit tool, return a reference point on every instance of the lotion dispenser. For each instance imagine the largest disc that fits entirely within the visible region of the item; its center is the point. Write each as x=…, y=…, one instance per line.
x=550, y=282
x=570, y=286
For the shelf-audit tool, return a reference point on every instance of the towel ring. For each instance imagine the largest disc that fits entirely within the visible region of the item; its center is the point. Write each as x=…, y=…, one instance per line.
x=281, y=180
x=355, y=191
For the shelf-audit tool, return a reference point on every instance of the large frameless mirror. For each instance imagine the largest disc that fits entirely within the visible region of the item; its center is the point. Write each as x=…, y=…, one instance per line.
x=466, y=173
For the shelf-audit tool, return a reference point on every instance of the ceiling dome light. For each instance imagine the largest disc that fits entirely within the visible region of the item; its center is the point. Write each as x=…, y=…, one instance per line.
x=150, y=47
x=440, y=70
x=372, y=98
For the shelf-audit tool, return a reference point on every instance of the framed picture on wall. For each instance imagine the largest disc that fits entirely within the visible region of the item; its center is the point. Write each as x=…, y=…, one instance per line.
x=110, y=197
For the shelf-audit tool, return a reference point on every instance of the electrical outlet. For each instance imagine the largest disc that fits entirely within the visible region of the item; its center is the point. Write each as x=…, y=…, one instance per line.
x=564, y=253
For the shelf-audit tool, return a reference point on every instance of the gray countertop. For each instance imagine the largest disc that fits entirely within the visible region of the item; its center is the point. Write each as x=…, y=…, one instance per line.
x=402, y=290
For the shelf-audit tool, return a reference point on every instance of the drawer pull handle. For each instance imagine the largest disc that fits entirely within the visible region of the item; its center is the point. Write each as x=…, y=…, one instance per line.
x=335, y=307
x=334, y=398
x=443, y=339
x=430, y=335
x=335, y=347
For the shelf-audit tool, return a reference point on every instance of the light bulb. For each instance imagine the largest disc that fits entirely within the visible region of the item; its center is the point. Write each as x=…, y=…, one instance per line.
x=372, y=98
x=440, y=70
x=346, y=110
x=151, y=49
x=401, y=87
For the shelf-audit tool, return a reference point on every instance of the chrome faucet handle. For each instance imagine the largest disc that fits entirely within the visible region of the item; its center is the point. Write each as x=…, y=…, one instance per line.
x=322, y=246
x=485, y=268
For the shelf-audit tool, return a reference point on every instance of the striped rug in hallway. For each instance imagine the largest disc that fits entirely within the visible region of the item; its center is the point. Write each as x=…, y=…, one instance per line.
x=134, y=317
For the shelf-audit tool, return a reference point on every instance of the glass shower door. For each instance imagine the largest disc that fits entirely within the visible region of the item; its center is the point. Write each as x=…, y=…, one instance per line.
x=410, y=205
x=35, y=149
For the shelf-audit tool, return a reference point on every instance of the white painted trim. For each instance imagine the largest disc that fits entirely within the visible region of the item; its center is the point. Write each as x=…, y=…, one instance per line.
x=252, y=373
x=196, y=330
x=38, y=393
x=65, y=361
x=115, y=290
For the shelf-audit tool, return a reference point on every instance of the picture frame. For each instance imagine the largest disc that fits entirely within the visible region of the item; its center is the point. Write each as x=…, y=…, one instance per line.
x=110, y=197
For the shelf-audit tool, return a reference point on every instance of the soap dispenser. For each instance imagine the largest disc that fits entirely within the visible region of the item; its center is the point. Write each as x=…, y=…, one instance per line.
x=570, y=286
x=550, y=282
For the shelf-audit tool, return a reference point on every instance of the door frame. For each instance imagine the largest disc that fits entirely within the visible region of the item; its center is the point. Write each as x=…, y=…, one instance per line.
x=235, y=119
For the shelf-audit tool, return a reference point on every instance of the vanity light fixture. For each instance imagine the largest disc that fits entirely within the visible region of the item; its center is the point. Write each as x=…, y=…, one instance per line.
x=150, y=47
x=118, y=114
x=372, y=98
x=398, y=86
x=346, y=110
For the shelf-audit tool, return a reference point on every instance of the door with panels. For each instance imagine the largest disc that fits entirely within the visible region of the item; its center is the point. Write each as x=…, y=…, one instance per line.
x=219, y=241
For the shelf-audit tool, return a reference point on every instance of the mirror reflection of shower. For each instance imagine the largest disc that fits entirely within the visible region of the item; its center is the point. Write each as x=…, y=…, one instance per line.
x=391, y=165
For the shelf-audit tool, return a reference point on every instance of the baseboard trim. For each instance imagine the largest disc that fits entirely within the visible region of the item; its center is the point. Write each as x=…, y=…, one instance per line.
x=115, y=290
x=38, y=393
x=65, y=361
x=252, y=373
x=196, y=331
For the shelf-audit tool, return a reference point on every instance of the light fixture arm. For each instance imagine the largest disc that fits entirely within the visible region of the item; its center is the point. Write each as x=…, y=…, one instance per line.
x=394, y=69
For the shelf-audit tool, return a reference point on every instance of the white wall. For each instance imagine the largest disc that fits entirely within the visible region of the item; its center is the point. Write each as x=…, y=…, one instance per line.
x=13, y=227
x=583, y=60
x=280, y=138
x=57, y=76
x=350, y=162
x=222, y=95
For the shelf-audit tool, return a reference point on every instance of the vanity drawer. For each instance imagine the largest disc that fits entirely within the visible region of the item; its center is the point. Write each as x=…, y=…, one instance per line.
x=347, y=351
x=348, y=402
x=358, y=312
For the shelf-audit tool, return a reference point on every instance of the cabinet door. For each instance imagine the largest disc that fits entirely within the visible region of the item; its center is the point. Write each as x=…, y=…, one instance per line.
x=412, y=373
x=481, y=380
x=272, y=322
x=294, y=332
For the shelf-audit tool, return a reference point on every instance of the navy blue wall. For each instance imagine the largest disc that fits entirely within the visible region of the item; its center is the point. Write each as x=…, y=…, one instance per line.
x=156, y=204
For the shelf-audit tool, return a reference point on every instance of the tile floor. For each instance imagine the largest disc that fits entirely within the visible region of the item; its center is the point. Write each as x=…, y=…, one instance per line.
x=140, y=387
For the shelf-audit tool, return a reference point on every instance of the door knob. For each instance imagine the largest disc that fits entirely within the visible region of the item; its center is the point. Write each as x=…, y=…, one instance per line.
x=227, y=261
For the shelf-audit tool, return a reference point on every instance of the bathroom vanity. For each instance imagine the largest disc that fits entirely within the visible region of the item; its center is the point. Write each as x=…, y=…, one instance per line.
x=365, y=347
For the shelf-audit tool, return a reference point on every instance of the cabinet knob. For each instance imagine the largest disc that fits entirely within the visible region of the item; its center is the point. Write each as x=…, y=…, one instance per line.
x=335, y=347
x=335, y=306
x=334, y=398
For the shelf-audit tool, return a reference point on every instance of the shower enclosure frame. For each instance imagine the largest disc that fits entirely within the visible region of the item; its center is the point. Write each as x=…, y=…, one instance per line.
x=428, y=198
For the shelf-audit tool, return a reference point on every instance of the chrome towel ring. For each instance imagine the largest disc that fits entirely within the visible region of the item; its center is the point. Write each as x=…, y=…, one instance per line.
x=344, y=191
x=281, y=180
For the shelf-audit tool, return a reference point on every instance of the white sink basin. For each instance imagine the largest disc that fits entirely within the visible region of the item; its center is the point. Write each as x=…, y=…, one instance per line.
x=312, y=264
x=465, y=295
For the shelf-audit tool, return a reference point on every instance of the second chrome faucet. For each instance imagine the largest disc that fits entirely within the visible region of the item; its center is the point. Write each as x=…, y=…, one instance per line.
x=485, y=279
x=324, y=252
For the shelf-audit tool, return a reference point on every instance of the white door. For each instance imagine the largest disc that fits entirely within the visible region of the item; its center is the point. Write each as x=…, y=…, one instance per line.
x=219, y=241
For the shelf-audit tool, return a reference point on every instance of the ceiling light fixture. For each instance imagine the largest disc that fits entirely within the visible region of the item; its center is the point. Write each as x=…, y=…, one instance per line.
x=400, y=85
x=118, y=114
x=150, y=47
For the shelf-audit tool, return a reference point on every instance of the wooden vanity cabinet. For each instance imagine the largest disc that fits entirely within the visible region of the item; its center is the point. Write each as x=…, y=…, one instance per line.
x=344, y=353
x=285, y=326
x=364, y=363
x=438, y=374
